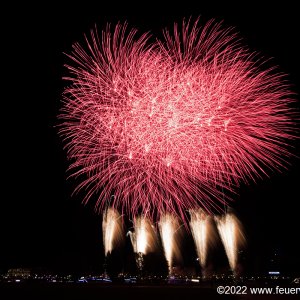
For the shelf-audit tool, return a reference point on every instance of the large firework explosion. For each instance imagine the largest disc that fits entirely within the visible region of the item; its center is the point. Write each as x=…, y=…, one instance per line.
x=171, y=125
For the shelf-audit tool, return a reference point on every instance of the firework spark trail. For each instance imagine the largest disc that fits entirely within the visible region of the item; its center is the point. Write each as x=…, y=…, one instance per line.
x=141, y=235
x=112, y=230
x=143, y=239
x=168, y=226
x=201, y=231
x=232, y=236
x=168, y=126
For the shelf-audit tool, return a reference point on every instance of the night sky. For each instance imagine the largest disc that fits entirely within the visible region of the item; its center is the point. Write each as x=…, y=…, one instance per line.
x=42, y=225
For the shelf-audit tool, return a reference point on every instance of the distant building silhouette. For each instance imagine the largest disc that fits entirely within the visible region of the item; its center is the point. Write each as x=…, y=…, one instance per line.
x=19, y=272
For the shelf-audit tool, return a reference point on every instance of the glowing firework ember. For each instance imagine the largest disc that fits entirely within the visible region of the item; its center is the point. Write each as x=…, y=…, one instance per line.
x=202, y=233
x=232, y=236
x=168, y=226
x=163, y=126
x=112, y=229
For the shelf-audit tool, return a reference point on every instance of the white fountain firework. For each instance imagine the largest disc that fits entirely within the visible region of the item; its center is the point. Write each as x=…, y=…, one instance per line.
x=112, y=230
x=202, y=233
x=168, y=226
x=232, y=236
x=143, y=239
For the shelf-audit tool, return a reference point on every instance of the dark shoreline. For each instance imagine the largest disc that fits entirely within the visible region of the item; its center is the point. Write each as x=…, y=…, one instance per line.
x=90, y=291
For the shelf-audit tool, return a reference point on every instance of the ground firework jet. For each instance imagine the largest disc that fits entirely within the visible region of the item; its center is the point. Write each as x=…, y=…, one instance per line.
x=143, y=239
x=203, y=235
x=168, y=226
x=167, y=126
x=232, y=236
x=112, y=231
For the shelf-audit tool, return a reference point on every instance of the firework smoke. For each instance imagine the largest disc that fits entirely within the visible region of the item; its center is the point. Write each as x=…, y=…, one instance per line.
x=167, y=126
x=112, y=230
x=232, y=236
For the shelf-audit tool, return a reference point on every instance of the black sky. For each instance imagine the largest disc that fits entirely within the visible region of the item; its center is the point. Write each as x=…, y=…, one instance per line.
x=41, y=224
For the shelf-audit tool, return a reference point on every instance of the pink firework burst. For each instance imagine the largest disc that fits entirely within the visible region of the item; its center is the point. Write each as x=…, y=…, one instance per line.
x=166, y=126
